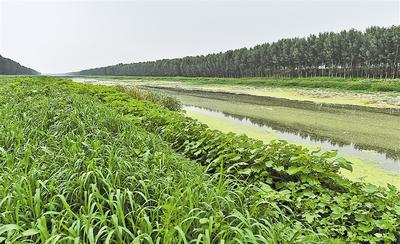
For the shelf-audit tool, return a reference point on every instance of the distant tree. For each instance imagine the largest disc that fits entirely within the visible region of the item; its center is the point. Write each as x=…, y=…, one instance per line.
x=374, y=53
x=10, y=67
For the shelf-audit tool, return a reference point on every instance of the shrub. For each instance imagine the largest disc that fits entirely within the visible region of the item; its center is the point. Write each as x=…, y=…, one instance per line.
x=157, y=98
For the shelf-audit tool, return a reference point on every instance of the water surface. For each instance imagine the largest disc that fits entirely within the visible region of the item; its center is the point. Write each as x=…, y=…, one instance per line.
x=385, y=162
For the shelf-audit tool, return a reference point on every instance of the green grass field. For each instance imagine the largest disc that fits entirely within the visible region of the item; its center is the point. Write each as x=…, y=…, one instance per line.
x=91, y=164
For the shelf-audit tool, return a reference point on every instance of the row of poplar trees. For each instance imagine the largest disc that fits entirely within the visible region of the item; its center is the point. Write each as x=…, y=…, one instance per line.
x=373, y=53
x=10, y=67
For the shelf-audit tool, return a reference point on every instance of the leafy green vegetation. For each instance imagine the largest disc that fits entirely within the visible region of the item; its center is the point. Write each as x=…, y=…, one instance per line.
x=92, y=164
x=74, y=170
x=373, y=53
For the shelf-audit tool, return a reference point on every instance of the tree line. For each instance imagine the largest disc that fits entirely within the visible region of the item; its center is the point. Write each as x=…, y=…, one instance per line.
x=372, y=53
x=10, y=67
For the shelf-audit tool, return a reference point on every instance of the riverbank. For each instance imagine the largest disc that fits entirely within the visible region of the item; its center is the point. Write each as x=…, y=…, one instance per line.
x=318, y=90
x=368, y=166
x=366, y=128
x=96, y=154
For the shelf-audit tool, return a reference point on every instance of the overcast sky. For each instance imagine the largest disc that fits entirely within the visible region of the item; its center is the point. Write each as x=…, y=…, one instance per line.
x=63, y=36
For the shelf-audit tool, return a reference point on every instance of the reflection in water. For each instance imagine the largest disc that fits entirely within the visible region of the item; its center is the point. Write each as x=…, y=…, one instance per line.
x=305, y=132
x=390, y=154
x=386, y=163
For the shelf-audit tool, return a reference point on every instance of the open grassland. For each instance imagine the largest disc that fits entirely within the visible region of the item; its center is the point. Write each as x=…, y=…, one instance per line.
x=84, y=163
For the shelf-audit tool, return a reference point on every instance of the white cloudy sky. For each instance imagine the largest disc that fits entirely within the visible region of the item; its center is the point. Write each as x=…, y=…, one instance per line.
x=62, y=36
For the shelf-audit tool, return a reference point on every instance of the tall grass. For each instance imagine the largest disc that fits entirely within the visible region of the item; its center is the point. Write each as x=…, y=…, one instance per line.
x=90, y=164
x=76, y=171
x=307, y=181
x=155, y=97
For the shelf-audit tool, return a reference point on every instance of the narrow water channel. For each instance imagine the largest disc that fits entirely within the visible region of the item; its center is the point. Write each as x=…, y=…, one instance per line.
x=370, y=140
x=385, y=162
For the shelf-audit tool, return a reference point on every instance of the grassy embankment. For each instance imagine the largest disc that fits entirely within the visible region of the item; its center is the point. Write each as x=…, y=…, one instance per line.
x=92, y=164
x=367, y=128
